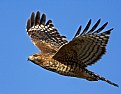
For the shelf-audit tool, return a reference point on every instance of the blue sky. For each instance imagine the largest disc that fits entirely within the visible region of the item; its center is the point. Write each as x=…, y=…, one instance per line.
x=18, y=76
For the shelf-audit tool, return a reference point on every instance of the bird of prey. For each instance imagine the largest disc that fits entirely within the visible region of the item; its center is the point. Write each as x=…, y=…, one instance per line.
x=68, y=58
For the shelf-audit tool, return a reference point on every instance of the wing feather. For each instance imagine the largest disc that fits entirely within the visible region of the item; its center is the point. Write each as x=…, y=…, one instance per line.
x=44, y=35
x=87, y=27
x=32, y=19
x=95, y=26
x=101, y=28
x=37, y=19
x=86, y=48
x=78, y=32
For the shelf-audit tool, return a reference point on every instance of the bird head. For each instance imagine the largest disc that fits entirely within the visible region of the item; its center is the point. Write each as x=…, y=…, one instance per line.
x=35, y=58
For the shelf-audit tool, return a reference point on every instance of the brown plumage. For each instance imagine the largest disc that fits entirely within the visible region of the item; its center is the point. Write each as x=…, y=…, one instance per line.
x=63, y=57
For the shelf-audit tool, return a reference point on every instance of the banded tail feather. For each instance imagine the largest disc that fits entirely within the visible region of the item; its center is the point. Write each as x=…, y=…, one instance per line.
x=96, y=77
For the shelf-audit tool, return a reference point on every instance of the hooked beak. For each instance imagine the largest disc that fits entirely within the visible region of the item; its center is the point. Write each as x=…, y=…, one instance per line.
x=28, y=59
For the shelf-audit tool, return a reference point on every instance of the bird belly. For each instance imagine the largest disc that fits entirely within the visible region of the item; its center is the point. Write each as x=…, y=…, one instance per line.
x=72, y=69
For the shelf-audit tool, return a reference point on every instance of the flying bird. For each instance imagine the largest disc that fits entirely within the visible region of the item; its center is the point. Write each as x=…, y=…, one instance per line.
x=68, y=58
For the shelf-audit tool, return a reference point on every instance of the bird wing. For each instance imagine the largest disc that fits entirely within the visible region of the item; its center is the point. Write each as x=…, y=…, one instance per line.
x=86, y=47
x=44, y=35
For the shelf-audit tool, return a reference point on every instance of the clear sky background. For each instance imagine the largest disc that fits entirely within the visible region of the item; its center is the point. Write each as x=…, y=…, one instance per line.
x=18, y=76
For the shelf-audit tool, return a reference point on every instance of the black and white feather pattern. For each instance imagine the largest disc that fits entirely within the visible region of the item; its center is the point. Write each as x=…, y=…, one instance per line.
x=40, y=31
x=86, y=47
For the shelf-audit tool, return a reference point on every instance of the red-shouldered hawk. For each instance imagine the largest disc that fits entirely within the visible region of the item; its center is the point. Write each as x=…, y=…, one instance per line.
x=63, y=57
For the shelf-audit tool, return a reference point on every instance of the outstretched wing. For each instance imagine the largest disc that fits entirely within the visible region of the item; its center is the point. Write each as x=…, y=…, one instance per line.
x=44, y=35
x=85, y=48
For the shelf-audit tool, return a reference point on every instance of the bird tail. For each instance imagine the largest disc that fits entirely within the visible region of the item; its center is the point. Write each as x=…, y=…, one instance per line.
x=96, y=77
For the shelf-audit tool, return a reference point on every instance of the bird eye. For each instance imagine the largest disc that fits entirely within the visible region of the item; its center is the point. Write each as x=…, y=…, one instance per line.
x=35, y=55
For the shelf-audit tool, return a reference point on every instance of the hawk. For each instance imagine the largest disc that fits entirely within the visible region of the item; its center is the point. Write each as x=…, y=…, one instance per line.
x=68, y=58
